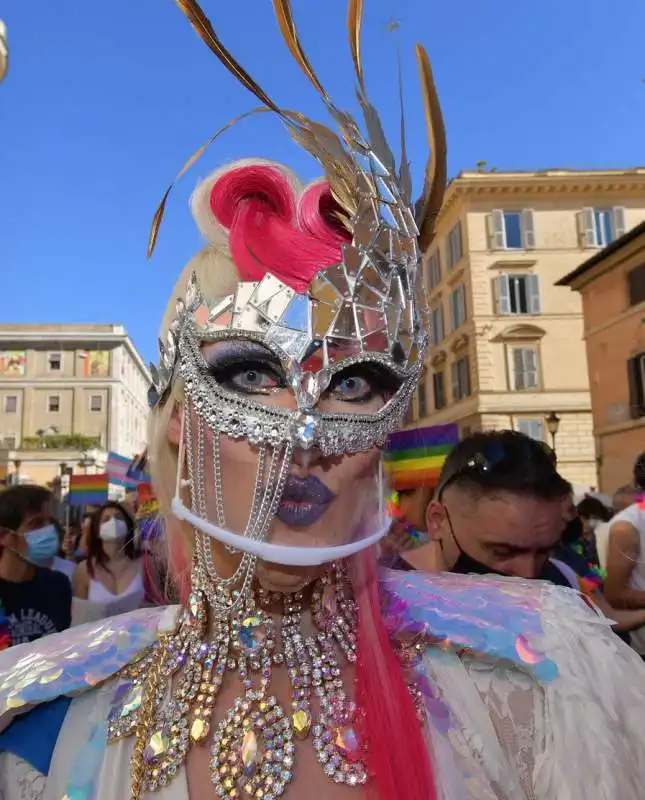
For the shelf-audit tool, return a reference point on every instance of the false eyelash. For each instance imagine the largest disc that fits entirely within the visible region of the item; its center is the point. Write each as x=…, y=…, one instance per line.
x=226, y=369
x=383, y=380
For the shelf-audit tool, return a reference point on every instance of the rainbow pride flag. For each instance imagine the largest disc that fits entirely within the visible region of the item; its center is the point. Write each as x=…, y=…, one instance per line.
x=415, y=457
x=88, y=490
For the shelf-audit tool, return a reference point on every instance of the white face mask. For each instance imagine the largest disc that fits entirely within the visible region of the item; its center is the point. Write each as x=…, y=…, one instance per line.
x=113, y=530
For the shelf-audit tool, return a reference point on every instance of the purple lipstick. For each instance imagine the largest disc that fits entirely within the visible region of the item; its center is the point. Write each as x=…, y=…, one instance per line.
x=304, y=501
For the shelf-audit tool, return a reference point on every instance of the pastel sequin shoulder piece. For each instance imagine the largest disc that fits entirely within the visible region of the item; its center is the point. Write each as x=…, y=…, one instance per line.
x=481, y=617
x=69, y=663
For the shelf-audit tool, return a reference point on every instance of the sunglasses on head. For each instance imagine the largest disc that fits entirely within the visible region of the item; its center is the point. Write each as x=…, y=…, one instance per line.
x=500, y=457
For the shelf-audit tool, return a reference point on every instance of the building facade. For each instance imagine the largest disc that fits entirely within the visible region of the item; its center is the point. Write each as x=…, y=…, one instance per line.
x=507, y=342
x=66, y=390
x=612, y=286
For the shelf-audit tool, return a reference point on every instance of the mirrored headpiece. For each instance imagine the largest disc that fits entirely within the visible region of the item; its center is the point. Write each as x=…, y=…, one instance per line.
x=368, y=307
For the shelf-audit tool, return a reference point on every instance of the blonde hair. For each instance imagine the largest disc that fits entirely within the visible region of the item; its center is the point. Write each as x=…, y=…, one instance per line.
x=217, y=276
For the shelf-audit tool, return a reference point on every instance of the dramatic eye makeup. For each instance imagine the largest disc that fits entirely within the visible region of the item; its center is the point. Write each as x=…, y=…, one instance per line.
x=244, y=366
x=362, y=383
x=248, y=367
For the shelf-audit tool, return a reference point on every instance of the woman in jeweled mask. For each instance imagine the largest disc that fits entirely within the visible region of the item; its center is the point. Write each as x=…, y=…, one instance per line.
x=293, y=667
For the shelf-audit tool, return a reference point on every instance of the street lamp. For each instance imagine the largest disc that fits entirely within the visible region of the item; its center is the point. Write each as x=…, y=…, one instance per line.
x=87, y=461
x=553, y=425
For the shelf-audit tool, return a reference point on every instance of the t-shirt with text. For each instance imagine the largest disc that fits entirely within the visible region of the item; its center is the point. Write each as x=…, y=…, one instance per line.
x=37, y=607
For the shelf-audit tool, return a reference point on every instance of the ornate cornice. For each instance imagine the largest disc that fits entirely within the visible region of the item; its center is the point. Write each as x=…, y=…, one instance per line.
x=496, y=186
x=516, y=332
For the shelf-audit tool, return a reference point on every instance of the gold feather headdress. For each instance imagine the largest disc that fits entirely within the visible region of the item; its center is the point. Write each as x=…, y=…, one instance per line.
x=373, y=302
x=319, y=140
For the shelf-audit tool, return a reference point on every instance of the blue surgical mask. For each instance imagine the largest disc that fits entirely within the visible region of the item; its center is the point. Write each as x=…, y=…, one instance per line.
x=42, y=546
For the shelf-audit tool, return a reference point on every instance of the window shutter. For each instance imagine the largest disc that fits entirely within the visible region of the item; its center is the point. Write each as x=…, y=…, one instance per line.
x=587, y=223
x=528, y=231
x=519, y=370
x=496, y=230
x=531, y=368
x=502, y=291
x=458, y=242
x=633, y=380
x=461, y=296
x=537, y=429
x=441, y=335
x=533, y=286
x=454, y=374
x=619, y=221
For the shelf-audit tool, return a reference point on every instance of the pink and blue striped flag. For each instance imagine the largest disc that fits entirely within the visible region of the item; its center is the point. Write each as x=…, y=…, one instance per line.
x=117, y=470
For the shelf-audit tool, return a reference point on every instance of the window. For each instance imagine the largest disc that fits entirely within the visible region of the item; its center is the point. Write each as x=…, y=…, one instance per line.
x=11, y=404
x=460, y=379
x=531, y=426
x=55, y=362
x=439, y=390
x=511, y=230
x=96, y=403
x=458, y=306
x=434, y=269
x=517, y=294
x=53, y=403
x=437, y=332
x=524, y=365
x=601, y=226
x=9, y=441
x=636, y=382
x=636, y=285
x=422, y=399
x=454, y=246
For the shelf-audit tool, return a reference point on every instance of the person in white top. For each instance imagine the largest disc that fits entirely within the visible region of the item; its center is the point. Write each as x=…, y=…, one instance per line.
x=113, y=569
x=625, y=584
x=623, y=498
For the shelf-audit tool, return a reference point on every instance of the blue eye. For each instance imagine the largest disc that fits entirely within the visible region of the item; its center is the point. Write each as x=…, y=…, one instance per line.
x=248, y=376
x=253, y=379
x=353, y=389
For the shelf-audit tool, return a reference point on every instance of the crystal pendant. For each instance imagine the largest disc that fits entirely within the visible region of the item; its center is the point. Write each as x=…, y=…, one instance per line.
x=304, y=429
x=252, y=633
x=301, y=723
x=253, y=750
x=329, y=603
x=199, y=730
x=156, y=747
x=249, y=753
x=132, y=700
x=346, y=742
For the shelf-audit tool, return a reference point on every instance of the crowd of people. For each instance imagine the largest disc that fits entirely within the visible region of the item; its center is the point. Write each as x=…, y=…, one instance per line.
x=48, y=569
x=522, y=520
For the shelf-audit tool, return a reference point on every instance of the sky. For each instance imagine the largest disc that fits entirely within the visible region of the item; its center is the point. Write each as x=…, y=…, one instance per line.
x=105, y=100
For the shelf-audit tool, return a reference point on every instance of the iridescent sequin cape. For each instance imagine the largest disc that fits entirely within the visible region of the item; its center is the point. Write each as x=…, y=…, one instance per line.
x=514, y=673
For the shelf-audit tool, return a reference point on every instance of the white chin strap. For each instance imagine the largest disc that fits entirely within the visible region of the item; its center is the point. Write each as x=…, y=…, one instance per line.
x=285, y=555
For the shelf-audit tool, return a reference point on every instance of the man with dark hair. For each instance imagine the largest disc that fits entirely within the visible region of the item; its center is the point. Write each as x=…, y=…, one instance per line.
x=36, y=600
x=500, y=507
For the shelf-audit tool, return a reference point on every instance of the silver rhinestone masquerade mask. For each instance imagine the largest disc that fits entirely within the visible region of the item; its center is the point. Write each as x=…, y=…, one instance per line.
x=368, y=309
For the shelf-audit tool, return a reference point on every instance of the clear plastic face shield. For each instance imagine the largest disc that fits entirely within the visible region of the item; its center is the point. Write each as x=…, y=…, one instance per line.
x=281, y=458
x=289, y=396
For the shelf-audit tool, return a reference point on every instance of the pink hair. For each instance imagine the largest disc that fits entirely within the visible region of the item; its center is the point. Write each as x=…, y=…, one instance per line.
x=271, y=229
x=397, y=751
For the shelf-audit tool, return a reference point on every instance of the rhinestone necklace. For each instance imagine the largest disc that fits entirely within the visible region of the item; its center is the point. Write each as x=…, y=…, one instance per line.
x=253, y=750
